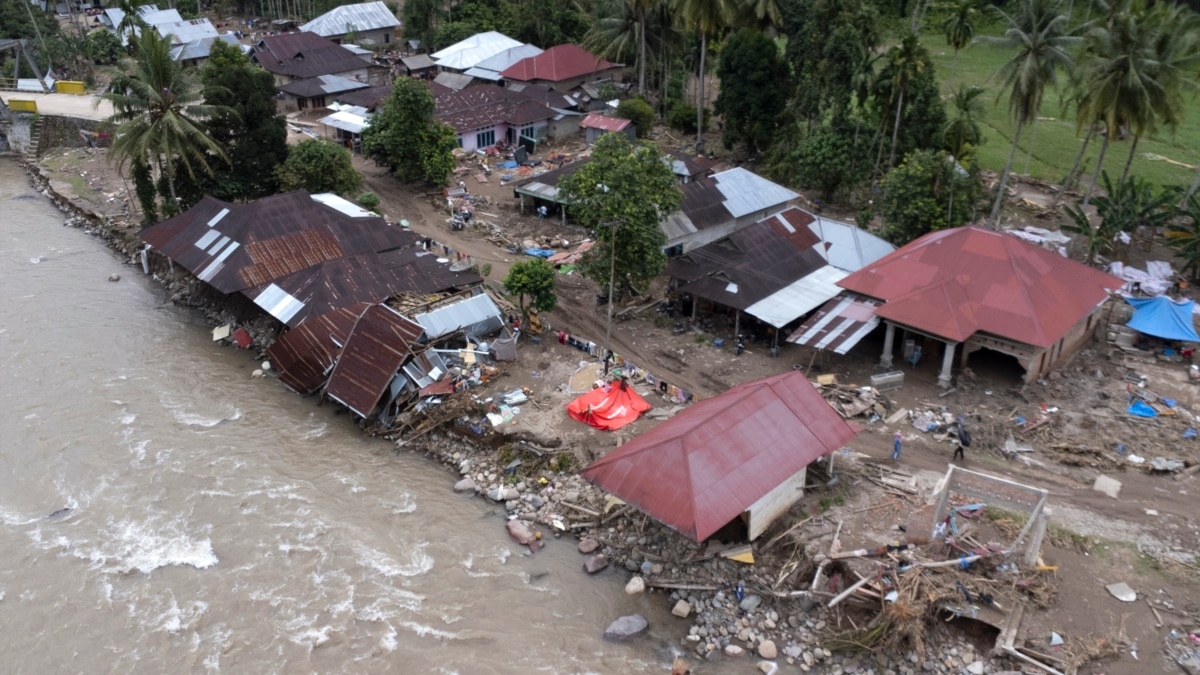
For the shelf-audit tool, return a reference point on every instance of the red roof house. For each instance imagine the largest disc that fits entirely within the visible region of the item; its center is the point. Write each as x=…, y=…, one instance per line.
x=984, y=289
x=594, y=126
x=743, y=452
x=563, y=67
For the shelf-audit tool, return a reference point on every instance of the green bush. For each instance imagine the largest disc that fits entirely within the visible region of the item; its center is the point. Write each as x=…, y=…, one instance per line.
x=369, y=200
x=682, y=116
x=639, y=112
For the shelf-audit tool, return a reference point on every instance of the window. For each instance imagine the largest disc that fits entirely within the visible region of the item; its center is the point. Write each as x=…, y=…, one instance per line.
x=528, y=131
x=485, y=139
x=459, y=141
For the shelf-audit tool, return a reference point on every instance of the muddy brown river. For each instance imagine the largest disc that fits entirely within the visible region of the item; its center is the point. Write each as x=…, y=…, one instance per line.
x=161, y=511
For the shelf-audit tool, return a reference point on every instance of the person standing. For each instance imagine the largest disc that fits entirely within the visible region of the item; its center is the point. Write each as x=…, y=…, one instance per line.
x=896, y=445
x=963, y=440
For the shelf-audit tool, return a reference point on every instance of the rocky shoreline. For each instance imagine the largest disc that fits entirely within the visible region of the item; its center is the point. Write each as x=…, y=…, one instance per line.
x=731, y=613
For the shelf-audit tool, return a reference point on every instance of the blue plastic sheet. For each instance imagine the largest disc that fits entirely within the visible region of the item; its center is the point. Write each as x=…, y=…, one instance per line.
x=1140, y=409
x=539, y=252
x=508, y=165
x=1163, y=318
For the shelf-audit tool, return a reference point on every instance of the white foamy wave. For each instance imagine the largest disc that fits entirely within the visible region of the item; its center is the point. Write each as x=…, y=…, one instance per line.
x=193, y=419
x=2, y=593
x=301, y=631
x=393, y=603
x=175, y=618
x=314, y=433
x=418, y=561
x=428, y=631
x=127, y=417
x=388, y=641
x=14, y=519
x=351, y=482
x=128, y=546
x=406, y=504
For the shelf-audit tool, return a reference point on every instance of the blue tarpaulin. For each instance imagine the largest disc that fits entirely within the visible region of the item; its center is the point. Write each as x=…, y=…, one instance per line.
x=1164, y=318
x=539, y=252
x=1140, y=409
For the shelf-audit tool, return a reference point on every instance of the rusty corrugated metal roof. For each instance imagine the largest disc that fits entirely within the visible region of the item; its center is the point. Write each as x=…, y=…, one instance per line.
x=304, y=355
x=955, y=283
x=379, y=344
x=233, y=247
x=702, y=468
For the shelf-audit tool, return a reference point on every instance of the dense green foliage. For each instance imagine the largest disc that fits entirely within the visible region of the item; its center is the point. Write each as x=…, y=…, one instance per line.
x=639, y=112
x=544, y=23
x=533, y=278
x=753, y=90
x=623, y=194
x=406, y=137
x=246, y=125
x=319, y=166
x=928, y=191
x=104, y=47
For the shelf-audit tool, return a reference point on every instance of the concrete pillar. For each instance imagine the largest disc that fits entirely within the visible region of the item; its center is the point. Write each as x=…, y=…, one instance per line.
x=944, y=378
x=889, y=340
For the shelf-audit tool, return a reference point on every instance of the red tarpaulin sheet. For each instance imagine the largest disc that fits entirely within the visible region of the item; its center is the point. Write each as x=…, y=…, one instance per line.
x=608, y=410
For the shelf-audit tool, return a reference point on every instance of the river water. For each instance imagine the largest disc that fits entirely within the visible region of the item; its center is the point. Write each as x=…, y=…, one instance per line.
x=161, y=511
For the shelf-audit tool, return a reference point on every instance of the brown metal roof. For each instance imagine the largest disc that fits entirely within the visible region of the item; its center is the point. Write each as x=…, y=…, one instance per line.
x=234, y=247
x=955, y=283
x=369, y=98
x=702, y=468
x=379, y=344
x=305, y=54
x=486, y=105
x=748, y=265
x=304, y=355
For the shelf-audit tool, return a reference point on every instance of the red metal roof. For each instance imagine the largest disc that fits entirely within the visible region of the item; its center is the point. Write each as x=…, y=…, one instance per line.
x=556, y=64
x=303, y=355
x=955, y=283
x=603, y=122
x=378, y=345
x=701, y=469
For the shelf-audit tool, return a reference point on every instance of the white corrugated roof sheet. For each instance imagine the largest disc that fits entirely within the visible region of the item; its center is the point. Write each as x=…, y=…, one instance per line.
x=361, y=17
x=200, y=49
x=474, y=50
x=477, y=315
x=182, y=32
x=747, y=192
x=346, y=121
x=850, y=247
x=799, y=297
x=342, y=205
x=491, y=67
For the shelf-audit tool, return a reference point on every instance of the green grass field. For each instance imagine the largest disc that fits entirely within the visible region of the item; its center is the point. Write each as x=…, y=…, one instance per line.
x=1056, y=145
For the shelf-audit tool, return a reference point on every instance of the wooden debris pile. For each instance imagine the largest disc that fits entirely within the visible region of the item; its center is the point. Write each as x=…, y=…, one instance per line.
x=851, y=401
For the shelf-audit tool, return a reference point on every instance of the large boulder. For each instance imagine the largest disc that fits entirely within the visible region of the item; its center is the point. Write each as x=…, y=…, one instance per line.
x=595, y=563
x=626, y=628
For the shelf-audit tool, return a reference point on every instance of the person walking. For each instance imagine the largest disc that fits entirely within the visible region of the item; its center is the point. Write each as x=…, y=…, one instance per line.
x=896, y=445
x=963, y=441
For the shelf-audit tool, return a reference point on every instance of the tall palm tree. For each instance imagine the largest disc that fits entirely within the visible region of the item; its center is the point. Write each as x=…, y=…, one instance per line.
x=707, y=17
x=959, y=29
x=758, y=14
x=905, y=62
x=157, y=112
x=962, y=132
x=641, y=8
x=132, y=24
x=1038, y=30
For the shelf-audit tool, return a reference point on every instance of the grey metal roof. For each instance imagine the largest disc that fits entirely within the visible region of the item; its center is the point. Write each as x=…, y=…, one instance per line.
x=322, y=84
x=476, y=315
x=799, y=297
x=200, y=49
x=849, y=247
x=490, y=68
x=747, y=193
x=474, y=50
x=182, y=31
x=454, y=81
x=361, y=17
x=418, y=62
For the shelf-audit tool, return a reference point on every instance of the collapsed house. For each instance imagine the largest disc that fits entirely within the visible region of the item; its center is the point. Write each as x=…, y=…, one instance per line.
x=360, y=295
x=740, y=456
x=964, y=290
x=776, y=270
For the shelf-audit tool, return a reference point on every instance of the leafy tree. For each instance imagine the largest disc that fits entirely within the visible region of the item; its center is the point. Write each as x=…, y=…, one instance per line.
x=450, y=33
x=828, y=159
x=923, y=115
x=682, y=116
x=420, y=20
x=369, y=200
x=534, y=278
x=1039, y=33
x=158, y=115
x=104, y=47
x=959, y=28
x=143, y=186
x=406, y=136
x=905, y=63
x=319, y=166
x=624, y=192
x=757, y=14
x=753, y=89
x=247, y=124
x=928, y=191
x=543, y=22
x=962, y=133
x=639, y=112
x=829, y=49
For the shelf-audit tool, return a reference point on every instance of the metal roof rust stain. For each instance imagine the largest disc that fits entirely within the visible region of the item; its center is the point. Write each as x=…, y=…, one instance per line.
x=379, y=344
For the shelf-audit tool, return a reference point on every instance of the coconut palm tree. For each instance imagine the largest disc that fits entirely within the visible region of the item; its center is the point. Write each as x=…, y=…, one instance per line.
x=758, y=14
x=706, y=17
x=905, y=62
x=132, y=24
x=959, y=29
x=962, y=131
x=1038, y=30
x=641, y=8
x=157, y=112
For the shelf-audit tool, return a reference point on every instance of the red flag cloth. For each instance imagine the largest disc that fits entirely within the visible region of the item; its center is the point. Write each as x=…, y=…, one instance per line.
x=608, y=410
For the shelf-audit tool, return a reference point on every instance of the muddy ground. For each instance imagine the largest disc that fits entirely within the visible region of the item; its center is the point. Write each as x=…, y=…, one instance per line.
x=1147, y=537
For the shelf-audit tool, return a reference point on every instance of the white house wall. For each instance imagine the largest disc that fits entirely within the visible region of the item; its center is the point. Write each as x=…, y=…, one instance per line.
x=776, y=503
